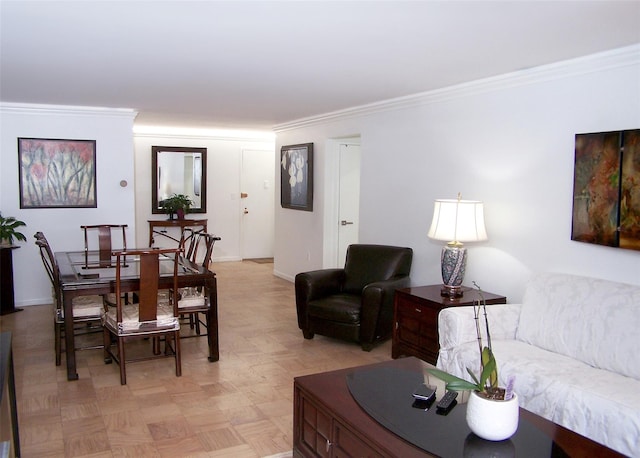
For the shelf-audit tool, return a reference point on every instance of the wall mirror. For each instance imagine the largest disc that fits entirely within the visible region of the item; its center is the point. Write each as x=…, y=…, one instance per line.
x=179, y=170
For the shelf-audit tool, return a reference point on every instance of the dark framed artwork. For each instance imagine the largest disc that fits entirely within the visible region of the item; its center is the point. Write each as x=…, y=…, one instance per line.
x=57, y=173
x=296, y=177
x=606, y=189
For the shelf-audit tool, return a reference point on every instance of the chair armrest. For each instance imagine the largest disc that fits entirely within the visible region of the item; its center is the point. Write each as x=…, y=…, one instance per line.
x=456, y=325
x=314, y=285
x=319, y=283
x=377, y=306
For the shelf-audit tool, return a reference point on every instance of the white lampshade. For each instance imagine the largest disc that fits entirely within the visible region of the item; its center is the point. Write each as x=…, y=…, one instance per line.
x=457, y=220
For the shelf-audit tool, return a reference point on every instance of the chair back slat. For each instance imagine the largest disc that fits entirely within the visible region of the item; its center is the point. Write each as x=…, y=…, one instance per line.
x=105, y=242
x=149, y=280
x=148, y=294
x=200, y=242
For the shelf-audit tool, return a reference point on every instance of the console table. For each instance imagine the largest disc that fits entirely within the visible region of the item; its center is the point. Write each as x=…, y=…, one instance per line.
x=415, y=317
x=9, y=433
x=180, y=223
x=328, y=422
x=7, y=298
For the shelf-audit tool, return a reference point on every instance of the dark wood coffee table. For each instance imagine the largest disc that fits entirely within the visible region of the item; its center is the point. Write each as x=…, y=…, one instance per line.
x=328, y=421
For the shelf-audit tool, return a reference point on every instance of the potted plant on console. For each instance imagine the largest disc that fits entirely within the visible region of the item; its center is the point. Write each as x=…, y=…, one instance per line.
x=9, y=230
x=178, y=204
x=492, y=411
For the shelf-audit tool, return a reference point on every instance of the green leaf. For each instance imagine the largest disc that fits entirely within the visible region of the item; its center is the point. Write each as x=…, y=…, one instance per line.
x=462, y=385
x=442, y=375
x=452, y=382
x=473, y=376
x=489, y=368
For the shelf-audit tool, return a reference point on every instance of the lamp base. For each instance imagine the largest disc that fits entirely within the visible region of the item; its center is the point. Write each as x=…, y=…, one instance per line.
x=453, y=264
x=452, y=292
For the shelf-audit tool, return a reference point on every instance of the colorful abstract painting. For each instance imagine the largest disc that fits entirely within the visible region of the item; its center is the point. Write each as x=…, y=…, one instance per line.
x=606, y=189
x=57, y=173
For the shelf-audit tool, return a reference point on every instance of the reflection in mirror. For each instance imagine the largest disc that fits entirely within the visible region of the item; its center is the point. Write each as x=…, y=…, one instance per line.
x=178, y=170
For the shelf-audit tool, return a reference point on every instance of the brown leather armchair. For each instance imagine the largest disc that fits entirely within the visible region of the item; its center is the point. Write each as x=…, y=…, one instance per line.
x=354, y=303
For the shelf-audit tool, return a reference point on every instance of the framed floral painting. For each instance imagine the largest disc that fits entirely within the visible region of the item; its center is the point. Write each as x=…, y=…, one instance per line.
x=57, y=173
x=296, y=177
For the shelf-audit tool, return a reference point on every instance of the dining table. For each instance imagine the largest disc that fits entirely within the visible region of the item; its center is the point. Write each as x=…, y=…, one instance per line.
x=78, y=280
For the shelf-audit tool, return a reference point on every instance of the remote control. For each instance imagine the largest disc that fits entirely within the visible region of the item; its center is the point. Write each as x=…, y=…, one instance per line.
x=447, y=402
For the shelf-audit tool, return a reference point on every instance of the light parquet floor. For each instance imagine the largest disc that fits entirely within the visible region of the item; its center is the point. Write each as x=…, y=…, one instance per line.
x=240, y=406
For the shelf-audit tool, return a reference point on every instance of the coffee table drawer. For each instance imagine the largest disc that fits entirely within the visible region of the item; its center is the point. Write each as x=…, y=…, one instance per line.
x=348, y=444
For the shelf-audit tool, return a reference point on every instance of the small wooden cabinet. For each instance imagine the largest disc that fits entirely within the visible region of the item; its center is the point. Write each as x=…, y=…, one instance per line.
x=415, y=330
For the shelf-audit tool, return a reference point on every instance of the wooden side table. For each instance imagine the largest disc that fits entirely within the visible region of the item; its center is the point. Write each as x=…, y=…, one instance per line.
x=415, y=311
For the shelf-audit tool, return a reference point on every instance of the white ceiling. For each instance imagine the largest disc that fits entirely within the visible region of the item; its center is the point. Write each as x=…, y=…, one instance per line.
x=258, y=64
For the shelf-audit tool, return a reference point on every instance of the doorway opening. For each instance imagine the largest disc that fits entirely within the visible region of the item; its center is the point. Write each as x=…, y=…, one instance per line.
x=343, y=199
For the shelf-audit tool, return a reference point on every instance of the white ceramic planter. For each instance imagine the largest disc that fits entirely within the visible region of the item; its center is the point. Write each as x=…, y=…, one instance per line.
x=492, y=420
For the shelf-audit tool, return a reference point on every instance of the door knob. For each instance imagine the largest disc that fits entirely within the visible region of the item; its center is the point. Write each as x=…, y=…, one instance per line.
x=345, y=222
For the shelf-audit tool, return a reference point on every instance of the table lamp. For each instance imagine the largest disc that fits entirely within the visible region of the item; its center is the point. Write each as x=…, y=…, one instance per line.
x=456, y=221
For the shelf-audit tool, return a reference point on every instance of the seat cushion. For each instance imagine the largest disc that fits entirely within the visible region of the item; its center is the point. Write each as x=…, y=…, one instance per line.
x=344, y=308
x=191, y=302
x=131, y=325
x=85, y=307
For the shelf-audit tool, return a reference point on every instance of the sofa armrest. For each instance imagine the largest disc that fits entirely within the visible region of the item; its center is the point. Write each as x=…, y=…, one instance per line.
x=457, y=326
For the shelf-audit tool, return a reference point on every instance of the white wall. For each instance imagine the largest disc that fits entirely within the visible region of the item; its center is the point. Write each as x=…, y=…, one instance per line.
x=508, y=141
x=224, y=161
x=112, y=130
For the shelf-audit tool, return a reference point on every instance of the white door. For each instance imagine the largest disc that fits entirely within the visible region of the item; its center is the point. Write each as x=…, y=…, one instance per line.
x=349, y=199
x=257, y=203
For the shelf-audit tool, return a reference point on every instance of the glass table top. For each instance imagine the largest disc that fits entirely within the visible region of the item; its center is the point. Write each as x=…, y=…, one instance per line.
x=386, y=394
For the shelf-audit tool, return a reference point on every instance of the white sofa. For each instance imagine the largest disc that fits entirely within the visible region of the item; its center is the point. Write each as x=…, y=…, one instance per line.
x=573, y=346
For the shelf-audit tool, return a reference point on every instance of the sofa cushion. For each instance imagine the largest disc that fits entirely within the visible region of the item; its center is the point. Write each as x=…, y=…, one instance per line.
x=592, y=320
x=599, y=404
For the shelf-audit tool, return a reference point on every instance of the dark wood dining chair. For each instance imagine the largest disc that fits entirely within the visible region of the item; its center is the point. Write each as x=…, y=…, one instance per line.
x=105, y=243
x=150, y=318
x=87, y=310
x=193, y=302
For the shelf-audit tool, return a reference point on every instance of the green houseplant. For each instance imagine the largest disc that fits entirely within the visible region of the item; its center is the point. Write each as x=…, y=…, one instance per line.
x=179, y=204
x=8, y=230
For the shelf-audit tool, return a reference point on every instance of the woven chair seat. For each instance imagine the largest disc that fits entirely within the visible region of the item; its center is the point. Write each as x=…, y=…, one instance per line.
x=130, y=325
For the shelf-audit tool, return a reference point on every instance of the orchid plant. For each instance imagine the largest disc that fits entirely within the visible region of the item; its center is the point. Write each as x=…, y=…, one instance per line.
x=487, y=382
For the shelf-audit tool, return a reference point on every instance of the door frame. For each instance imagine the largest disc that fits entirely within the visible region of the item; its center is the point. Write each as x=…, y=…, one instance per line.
x=332, y=198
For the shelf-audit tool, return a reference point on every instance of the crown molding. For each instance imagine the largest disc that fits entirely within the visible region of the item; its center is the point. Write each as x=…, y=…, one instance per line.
x=65, y=110
x=203, y=134
x=620, y=57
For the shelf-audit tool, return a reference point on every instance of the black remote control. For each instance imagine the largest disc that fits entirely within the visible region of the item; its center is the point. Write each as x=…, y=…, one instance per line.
x=447, y=402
